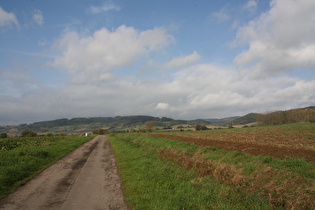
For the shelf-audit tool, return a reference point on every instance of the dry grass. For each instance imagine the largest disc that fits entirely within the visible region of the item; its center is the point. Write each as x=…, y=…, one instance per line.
x=283, y=189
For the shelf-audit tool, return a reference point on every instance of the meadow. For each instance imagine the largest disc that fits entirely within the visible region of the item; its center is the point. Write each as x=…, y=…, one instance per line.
x=184, y=170
x=22, y=158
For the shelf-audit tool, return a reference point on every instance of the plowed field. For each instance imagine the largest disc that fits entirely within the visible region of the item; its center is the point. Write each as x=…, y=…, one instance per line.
x=276, y=141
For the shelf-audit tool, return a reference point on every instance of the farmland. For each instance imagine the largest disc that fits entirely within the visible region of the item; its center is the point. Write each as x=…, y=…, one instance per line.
x=293, y=140
x=22, y=158
x=248, y=168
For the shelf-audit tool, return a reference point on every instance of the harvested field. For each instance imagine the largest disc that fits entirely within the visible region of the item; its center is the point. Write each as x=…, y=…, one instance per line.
x=236, y=180
x=296, y=140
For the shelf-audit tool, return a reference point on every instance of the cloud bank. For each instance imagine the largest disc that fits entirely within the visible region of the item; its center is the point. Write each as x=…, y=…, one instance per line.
x=280, y=40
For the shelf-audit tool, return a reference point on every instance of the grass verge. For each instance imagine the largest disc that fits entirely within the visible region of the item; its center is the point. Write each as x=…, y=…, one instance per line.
x=23, y=158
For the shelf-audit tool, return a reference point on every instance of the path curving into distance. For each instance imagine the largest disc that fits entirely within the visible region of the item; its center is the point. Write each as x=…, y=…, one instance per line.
x=84, y=179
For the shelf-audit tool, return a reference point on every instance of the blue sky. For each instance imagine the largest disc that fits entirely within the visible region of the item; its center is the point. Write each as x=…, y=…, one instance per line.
x=180, y=59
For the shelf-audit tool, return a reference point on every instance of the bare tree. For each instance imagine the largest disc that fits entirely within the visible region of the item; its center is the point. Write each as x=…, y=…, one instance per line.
x=149, y=125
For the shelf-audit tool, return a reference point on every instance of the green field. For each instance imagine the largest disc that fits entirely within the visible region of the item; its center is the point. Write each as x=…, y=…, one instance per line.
x=159, y=173
x=165, y=173
x=22, y=158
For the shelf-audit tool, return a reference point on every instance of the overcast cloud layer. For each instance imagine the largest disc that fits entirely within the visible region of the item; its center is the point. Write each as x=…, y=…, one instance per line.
x=125, y=70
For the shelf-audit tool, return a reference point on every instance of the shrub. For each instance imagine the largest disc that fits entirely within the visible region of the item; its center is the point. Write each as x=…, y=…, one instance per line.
x=100, y=131
x=3, y=135
x=201, y=127
x=28, y=133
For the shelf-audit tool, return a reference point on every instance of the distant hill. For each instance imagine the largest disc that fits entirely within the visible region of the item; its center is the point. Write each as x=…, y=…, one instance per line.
x=88, y=124
x=118, y=123
x=249, y=118
x=81, y=124
x=224, y=121
x=203, y=121
x=227, y=121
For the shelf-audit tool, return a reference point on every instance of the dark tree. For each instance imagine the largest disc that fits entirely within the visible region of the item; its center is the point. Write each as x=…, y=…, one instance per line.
x=148, y=125
x=3, y=135
x=201, y=127
x=28, y=133
x=100, y=131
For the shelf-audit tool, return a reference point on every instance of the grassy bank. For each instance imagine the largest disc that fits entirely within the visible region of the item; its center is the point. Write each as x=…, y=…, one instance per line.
x=160, y=173
x=22, y=158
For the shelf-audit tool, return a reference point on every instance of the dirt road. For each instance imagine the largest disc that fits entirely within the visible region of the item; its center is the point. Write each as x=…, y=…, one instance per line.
x=85, y=179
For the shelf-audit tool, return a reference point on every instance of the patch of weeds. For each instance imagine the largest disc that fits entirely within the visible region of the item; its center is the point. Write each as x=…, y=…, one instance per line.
x=267, y=159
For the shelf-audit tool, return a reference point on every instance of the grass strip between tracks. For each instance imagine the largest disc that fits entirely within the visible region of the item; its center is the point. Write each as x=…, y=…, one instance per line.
x=160, y=173
x=23, y=158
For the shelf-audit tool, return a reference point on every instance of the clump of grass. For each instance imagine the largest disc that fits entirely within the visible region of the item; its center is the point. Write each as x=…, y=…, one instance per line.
x=22, y=158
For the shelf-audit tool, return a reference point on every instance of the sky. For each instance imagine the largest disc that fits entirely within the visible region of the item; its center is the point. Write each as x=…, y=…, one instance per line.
x=183, y=59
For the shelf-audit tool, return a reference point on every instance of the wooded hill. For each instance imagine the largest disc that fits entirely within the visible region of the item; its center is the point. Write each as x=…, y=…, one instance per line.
x=111, y=123
x=77, y=125
x=300, y=115
x=81, y=124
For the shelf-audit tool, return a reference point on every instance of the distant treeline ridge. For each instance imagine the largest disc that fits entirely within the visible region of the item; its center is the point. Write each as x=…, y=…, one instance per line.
x=289, y=116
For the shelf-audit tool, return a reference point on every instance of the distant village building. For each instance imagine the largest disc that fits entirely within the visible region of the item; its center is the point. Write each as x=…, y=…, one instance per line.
x=87, y=133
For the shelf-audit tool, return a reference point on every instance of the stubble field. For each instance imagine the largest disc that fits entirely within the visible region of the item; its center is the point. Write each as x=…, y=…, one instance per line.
x=294, y=140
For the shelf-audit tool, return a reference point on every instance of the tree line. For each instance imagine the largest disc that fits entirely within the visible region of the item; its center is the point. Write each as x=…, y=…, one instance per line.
x=302, y=115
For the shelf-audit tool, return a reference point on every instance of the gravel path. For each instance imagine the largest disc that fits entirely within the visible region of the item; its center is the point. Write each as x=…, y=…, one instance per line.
x=85, y=179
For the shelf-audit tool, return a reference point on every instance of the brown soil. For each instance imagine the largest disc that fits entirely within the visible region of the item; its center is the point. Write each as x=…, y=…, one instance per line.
x=246, y=147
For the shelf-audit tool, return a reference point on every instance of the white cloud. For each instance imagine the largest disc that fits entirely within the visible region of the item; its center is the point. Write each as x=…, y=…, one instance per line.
x=93, y=56
x=99, y=9
x=38, y=17
x=281, y=39
x=8, y=19
x=183, y=61
x=162, y=106
x=251, y=5
x=221, y=15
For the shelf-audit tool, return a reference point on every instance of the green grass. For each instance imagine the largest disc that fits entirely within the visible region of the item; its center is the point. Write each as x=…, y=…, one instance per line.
x=22, y=158
x=152, y=182
x=160, y=173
